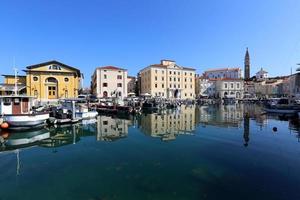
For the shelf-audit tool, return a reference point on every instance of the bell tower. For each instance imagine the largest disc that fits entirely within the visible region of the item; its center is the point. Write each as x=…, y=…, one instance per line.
x=247, y=66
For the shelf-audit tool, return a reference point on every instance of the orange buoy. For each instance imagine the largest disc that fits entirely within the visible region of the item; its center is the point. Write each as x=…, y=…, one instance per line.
x=4, y=125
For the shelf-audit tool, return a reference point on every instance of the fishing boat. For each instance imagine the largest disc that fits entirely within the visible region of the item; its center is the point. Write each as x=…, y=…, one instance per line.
x=16, y=113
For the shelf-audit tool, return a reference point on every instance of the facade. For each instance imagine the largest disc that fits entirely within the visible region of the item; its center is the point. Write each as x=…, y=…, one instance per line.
x=131, y=85
x=247, y=66
x=294, y=83
x=261, y=75
x=221, y=73
x=109, y=81
x=204, y=87
x=249, y=89
x=52, y=80
x=272, y=87
x=8, y=87
x=226, y=88
x=167, y=80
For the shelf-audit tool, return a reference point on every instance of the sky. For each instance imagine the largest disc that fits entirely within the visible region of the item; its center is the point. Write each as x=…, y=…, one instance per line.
x=133, y=34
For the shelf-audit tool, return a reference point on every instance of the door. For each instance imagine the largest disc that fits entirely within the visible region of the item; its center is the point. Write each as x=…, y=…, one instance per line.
x=52, y=92
x=25, y=102
x=16, y=106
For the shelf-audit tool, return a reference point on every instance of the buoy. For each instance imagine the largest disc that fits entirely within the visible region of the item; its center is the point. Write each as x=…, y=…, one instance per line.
x=275, y=129
x=4, y=125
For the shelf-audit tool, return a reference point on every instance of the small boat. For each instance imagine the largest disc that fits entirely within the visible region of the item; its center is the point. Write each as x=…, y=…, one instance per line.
x=16, y=112
x=282, y=106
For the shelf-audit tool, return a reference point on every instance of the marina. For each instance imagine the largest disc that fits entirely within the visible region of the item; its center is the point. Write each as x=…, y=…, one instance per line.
x=229, y=147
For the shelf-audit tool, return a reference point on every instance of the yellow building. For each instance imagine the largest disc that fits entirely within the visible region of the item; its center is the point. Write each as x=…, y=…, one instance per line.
x=52, y=80
x=8, y=87
x=168, y=80
x=49, y=81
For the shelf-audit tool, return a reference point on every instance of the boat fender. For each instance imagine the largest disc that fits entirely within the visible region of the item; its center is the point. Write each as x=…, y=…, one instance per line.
x=4, y=125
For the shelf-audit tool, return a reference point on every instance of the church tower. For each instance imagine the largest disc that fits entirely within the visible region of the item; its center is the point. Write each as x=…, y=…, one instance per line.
x=247, y=66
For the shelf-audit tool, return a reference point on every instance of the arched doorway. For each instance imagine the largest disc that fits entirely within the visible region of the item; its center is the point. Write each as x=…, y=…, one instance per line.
x=238, y=95
x=176, y=93
x=105, y=94
x=225, y=94
x=51, y=87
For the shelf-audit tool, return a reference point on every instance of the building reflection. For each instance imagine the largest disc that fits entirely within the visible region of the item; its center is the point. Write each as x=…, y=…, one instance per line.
x=170, y=124
x=111, y=129
x=220, y=115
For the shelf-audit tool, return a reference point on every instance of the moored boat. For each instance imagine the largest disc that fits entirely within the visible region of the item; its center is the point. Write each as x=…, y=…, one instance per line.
x=16, y=112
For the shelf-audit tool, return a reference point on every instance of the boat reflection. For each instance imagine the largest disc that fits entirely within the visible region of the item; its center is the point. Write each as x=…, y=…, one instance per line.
x=11, y=140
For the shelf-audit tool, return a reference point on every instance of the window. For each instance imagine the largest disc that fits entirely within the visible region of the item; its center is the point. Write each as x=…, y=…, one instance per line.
x=185, y=94
x=185, y=80
x=163, y=94
x=174, y=73
x=156, y=78
x=178, y=85
x=163, y=71
x=174, y=86
x=170, y=72
x=163, y=86
x=225, y=85
x=155, y=71
x=105, y=122
x=119, y=84
x=238, y=85
x=105, y=76
x=119, y=77
x=178, y=73
x=104, y=84
x=162, y=78
x=184, y=73
x=7, y=101
x=191, y=86
x=231, y=85
x=184, y=86
x=66, y=93
x=35, y=93
x=66, y=79
x=155, y=85
x=174, y=79
x=191, y=74
x=178, y=79
x=170, y=79
x=35, y=78
x=55, y=67
x=170, y=85
x=191, y=80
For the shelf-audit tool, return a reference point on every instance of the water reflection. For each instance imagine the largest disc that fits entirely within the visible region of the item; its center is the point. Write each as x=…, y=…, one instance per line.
x=167, y=126
x=170, y=124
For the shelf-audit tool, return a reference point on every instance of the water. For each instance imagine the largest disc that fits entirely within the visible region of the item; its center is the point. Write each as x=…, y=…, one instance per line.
x=226, y=152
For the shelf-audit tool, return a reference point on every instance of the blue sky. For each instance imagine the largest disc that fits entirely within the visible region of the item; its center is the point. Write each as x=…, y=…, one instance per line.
x=135, y=33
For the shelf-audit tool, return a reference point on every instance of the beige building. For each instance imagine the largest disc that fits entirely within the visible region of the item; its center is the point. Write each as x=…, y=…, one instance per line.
x=168, y=126
x=167, y=80
x=230, y=88
x=131, y=85
x=109, y=81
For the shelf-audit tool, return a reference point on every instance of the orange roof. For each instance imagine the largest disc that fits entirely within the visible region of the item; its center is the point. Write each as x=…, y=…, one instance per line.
x=111, y=68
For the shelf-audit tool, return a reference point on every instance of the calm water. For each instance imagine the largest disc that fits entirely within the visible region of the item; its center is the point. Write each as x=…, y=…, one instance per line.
x=226, y=152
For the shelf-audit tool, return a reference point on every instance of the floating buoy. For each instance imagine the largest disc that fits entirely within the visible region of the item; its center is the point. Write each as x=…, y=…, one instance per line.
x=275, y=129
x=4, y=125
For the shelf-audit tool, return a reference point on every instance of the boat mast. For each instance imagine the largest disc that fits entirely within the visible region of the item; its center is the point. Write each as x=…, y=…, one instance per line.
x=16, y=79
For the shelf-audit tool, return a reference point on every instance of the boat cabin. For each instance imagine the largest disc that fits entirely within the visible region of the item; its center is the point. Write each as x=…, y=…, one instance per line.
x=12, y=105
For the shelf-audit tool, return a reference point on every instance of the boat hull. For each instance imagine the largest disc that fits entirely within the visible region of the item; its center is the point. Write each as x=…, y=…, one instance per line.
x=86, y=115
x=26, y=120
x=280, y=111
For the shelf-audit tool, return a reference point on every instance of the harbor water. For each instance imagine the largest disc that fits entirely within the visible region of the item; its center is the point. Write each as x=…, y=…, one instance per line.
x=194, y=152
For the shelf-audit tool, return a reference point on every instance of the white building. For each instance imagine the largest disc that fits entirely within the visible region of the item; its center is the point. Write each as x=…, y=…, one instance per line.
x=229, y=88
x=232, y=73
x=204, y=87
x=261, y=74
x=109, y=81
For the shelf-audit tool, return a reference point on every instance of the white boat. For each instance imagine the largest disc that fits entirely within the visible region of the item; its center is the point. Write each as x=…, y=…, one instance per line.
x=15, y=110
x=86, y=114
